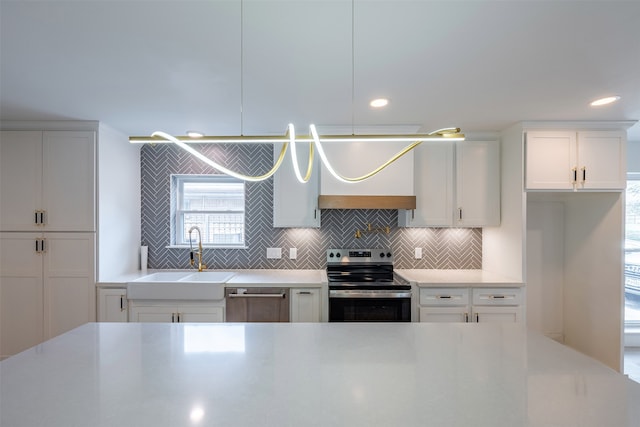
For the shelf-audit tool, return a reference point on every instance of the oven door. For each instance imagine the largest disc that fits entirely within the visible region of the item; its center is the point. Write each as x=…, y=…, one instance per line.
x=366, y=305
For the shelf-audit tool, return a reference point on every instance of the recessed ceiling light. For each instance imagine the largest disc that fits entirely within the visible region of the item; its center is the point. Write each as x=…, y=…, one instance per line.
x=604, y=101
x=379, y=102
x=194, y=134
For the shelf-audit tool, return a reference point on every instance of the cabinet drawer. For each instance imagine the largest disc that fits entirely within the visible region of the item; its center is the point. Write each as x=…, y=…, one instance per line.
x=444, y=296
x=497, y=296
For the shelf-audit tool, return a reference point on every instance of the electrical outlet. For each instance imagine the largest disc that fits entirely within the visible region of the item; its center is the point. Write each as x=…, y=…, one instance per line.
x=293, y=253
x=418, y=253
x=274, y=253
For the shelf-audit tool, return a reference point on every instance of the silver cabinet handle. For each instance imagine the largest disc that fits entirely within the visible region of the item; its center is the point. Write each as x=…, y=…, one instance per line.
x=466, y=317
x=257, y=295
x=443, y=296
x=304, y=293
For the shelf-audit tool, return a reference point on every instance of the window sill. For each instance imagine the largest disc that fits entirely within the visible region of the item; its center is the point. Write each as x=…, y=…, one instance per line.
x=632, y=336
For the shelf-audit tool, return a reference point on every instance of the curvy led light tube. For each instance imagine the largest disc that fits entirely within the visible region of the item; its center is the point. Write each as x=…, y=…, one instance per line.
x=290, y=139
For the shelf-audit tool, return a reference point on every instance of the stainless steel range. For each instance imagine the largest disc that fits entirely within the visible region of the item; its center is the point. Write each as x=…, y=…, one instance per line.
x=363, y=287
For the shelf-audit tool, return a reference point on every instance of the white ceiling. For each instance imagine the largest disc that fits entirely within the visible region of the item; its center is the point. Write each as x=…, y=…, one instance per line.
x=143, y=65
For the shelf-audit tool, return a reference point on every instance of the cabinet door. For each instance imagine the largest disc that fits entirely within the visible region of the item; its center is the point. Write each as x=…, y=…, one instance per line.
x=490, y=314
x=69, y=281
x=550, y=160
x=444, y=314
x=305, y=305
x=433, y=169
x=295, y=204
x=152, y=313
x=188, y=313
x=477, y=184
x=69, y=181
x=21, y=293
x=601, y=160
x=112, y=305
x=20, y=180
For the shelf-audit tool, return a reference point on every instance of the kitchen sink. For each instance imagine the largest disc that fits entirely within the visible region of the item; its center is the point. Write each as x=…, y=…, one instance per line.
x=179, y=285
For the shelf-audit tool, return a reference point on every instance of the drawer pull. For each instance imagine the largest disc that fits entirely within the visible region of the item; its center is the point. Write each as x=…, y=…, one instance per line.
x=443, y=296
x=497, y=297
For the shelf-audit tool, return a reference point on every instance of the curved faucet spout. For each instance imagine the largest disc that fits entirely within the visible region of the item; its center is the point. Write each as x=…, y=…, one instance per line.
x=201, y=265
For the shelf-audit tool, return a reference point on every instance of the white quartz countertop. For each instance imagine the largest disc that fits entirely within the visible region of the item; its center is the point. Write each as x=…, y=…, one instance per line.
x=427, y=277
x=255, y=277
x=322, y=374
x=278, y=277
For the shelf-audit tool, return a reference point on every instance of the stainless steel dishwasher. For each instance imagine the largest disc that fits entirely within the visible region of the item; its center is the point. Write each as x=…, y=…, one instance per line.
x=257, y=304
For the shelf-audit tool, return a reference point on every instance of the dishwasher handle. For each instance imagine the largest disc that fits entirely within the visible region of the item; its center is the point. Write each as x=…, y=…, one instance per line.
x=281, y=295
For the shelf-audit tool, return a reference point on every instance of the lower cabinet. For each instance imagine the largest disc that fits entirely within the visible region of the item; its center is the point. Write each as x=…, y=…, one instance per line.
x=47, y=286
x=305, y=305
x=470, y=305
x=112, y=305
x=176, y=311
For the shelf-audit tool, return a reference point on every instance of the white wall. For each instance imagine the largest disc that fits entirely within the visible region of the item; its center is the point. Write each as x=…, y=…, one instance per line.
x=503, y=246
x=118, y=204
x=593, y=292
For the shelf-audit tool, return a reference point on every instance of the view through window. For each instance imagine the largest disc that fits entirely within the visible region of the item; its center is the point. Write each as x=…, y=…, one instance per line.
x=214, y=203
x=632, y=253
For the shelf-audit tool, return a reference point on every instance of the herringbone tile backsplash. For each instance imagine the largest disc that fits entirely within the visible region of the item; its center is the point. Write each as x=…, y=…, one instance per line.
x=447, y=248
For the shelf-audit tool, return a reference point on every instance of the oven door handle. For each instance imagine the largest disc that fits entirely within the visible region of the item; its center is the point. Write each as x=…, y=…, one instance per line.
x=368, y=293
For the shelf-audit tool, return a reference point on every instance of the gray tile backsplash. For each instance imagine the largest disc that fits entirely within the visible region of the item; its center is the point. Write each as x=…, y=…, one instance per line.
x=447, y=248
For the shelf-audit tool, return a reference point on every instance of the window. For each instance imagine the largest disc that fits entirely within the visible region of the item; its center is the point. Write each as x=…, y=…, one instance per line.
x=632, y=251
x=214, y=203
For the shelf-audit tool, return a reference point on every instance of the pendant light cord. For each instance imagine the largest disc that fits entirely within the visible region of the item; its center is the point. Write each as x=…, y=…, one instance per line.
x=241, y=67
x=353, y=79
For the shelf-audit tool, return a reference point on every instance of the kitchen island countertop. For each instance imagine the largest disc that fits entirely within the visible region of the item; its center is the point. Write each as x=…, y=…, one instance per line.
x=322, y=374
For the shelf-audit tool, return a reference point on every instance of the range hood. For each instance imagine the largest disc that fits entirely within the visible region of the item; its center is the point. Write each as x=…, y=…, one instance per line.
x=366, y=202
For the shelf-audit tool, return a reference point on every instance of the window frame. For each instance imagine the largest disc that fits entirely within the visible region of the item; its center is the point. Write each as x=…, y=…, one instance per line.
x=631, y=176
x=178, y=181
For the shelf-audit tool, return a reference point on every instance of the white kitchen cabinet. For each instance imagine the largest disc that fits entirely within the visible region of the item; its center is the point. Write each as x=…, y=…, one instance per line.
x=444, y=314
x=457, y=185
x=112, y=305
x=176, y=311
x=477, y=184
x=433, y=169
x=574, y=160
x=48, y=181
x=295, y=204
x=21, y=294
x=47, y=286
x=470, y=305
x=306, y=305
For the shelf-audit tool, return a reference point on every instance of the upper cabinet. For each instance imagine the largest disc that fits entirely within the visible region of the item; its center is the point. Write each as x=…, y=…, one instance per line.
x=575, y=161
x=457, y=185
x=433, y=165
x=295, y=204
x=47, y=181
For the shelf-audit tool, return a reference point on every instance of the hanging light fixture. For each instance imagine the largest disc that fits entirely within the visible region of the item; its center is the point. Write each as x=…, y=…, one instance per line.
x=290, y=139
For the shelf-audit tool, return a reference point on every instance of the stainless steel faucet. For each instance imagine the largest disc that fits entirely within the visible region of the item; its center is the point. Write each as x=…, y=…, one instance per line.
x=201, y=265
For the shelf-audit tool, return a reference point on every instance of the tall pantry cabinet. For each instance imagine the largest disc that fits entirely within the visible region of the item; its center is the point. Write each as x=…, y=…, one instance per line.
x=47, y=235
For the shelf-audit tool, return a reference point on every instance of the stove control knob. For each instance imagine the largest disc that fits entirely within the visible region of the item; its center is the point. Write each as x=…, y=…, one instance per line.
x=338, y=255
x=388, y=254
x=331, y=255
